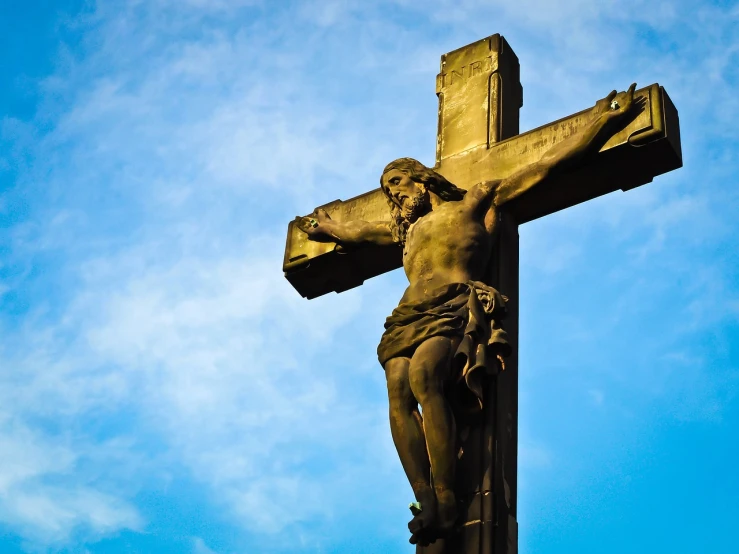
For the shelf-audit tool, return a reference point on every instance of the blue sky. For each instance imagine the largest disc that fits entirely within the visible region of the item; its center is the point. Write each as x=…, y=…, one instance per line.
x=163, y=389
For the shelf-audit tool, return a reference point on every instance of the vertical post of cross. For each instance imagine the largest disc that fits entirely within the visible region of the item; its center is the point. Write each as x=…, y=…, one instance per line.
x=500, y=459
x=480, y=95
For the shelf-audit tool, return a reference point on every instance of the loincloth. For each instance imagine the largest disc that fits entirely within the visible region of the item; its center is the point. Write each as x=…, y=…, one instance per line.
x=469, y=310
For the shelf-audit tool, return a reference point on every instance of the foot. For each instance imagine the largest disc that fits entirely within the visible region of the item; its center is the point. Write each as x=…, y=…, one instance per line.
x=423, y=525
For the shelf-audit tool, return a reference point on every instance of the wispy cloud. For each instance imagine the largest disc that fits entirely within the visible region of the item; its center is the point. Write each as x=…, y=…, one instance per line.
x=45, y=496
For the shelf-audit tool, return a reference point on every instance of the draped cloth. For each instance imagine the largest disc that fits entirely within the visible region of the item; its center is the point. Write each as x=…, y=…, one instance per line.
x=470, y=310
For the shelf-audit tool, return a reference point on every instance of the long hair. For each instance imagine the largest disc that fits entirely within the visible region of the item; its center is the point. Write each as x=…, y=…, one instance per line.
x=433, y=181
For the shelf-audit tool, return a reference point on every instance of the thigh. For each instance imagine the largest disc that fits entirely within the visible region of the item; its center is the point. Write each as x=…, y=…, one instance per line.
x=398, y=383
x=432, y=361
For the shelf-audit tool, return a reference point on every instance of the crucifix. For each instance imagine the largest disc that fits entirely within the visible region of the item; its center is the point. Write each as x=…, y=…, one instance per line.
x=451, y=345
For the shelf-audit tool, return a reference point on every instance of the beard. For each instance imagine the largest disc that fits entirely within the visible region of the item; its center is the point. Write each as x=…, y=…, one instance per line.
x=415, y=207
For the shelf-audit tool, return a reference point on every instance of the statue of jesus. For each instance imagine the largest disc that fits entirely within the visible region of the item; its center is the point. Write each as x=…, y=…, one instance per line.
x=446, y=333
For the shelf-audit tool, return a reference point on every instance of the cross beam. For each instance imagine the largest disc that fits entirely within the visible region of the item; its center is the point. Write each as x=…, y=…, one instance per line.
x=479, y=95
x=479, y=99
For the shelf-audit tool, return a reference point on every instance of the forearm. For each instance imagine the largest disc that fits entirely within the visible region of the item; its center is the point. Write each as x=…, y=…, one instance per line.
x=559, y=158
x=357, y=232
x=572, y=151
x=608, y=115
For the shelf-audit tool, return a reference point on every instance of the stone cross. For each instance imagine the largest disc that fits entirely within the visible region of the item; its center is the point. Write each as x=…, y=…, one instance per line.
x=479, y=100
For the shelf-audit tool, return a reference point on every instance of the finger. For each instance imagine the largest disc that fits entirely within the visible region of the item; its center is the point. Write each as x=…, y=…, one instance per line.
x=628, y=98
x=413, y=539
x=611, y=96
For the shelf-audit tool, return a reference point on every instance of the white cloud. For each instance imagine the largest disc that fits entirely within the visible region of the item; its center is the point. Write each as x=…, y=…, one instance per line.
x=215, y=349
x=198, y=335
x=45, y=499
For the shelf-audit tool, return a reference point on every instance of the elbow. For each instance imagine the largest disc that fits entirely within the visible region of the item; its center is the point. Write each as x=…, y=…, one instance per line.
x=547, y=166
x=505, y=194
x=544, y=172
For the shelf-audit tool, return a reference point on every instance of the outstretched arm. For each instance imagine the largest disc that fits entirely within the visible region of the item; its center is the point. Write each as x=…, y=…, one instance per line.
x=609, y=113
x=322, y=228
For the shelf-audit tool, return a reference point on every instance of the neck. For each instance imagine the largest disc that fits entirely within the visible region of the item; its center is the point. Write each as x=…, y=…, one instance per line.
x=434, y=200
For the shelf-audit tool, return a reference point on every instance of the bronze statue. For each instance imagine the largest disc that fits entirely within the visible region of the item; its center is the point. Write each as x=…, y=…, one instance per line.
x=446, y=333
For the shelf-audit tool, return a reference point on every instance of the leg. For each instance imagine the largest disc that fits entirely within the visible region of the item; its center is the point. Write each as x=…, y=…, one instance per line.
x=407, y=430
x=429, y=370
x=405, y=424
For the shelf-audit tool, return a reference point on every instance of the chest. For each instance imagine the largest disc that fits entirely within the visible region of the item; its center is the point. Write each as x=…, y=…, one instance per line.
x=449, y=227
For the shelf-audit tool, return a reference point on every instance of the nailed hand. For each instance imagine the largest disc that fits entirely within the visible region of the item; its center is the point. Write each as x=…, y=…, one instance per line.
x=616, y=105
x=315, y=225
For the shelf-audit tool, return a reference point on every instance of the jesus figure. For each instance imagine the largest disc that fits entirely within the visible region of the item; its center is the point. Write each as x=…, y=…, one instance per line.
x=446, y=333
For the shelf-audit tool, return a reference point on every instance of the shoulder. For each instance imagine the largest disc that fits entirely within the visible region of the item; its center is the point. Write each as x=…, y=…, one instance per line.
x=481, y=191
x=485, y=187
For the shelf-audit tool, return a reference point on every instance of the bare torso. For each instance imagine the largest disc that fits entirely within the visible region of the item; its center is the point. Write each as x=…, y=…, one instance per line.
x=451, y=244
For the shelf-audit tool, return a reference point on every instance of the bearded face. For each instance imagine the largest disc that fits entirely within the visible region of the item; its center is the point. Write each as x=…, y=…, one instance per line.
x=410, y=197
